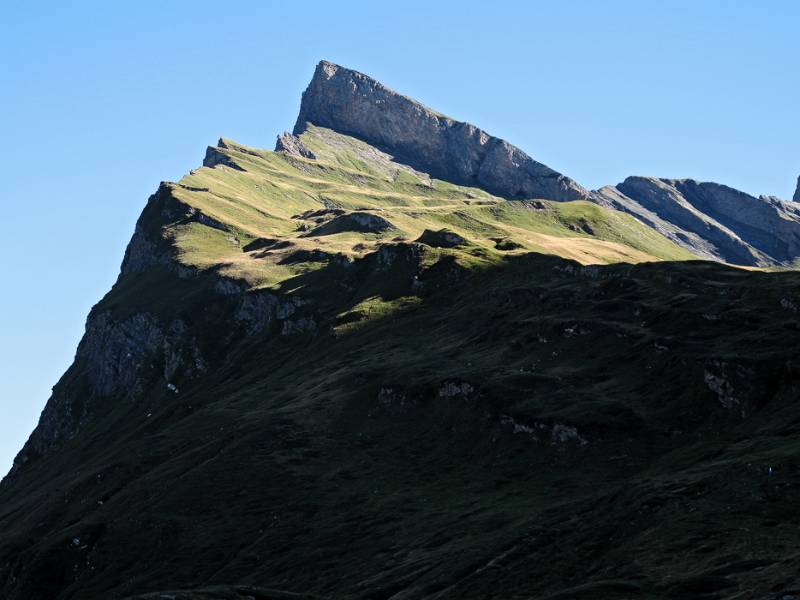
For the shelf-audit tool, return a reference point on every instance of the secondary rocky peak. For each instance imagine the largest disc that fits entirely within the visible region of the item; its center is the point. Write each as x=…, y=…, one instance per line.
x=797, y=191
x=712, y=220
x=355, y=104
x=293, y=146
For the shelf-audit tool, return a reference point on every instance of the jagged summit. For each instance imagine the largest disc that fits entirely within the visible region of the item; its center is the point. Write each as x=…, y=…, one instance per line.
x=712, y=220
x=797, y=191
x=355, y=104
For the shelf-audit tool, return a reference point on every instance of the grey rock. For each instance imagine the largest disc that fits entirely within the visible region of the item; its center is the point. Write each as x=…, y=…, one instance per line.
x=558, y=434
x=216, y=155
x=790, y=305
x=229, y=287
x=562, y=434
x=354, y=104
x=115, y=361
x=256, y=310
x=738, y=386
x=711, y=220
x=297, y=326
x=457, y=389
x=146, y=247
x=387, y=255
x=796, y=197
x=396, y=400
x=293, y=146
x=334, y=147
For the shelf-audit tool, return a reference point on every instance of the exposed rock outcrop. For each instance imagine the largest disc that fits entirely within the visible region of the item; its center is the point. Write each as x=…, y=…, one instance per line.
x=148, y=247
x=215, y=155
x=293, y=146
x=713, y=221
x=797, y=191
x=116, y=359
x=354, y=104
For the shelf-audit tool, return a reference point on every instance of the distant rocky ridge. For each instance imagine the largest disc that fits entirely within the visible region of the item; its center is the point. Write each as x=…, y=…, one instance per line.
x=354, y=104
x=714, y=221
x=797, y=191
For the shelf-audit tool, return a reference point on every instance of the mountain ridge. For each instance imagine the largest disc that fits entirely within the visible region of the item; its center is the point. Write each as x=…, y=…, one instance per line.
x=715, y=221
x=355, y=104
x=112, y=352
x=324, y=373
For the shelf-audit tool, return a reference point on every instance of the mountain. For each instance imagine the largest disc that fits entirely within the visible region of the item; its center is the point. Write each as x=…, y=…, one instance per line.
x=325, y=372
x=797, y=191
x=711, y=220
x=355, y=104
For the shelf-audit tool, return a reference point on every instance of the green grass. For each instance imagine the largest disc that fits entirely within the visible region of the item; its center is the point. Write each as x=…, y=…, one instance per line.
x=264, y=197
x=582, y=453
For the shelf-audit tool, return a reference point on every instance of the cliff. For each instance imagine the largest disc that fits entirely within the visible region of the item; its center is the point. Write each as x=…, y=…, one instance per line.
x=354, y=104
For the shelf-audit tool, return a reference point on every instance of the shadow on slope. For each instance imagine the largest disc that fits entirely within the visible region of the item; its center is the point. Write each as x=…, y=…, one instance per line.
x=534, y=427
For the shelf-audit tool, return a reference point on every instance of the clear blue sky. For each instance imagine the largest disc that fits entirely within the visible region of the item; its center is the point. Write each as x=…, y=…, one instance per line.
x=99, y=102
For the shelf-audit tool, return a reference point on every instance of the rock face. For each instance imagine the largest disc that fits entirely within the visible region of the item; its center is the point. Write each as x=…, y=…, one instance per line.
x=293, y=146
x=128, y=358
x=352, y=103
x=116, y=360
x=797, y=191
x=713, y=221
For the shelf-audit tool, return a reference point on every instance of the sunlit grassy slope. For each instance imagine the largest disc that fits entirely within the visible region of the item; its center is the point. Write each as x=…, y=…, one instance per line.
x=261, y=195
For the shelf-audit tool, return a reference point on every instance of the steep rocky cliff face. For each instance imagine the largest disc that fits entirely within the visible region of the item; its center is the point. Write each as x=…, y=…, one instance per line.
x=712, y=220
x=129, y=352
x=354, y=104
x=797, y=191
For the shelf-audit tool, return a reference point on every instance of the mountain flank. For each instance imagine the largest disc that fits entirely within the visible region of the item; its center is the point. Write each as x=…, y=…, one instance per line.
x=330, y=372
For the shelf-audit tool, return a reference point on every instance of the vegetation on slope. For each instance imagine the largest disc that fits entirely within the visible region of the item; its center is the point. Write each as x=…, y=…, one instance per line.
x=365, y=415
x=258, y=195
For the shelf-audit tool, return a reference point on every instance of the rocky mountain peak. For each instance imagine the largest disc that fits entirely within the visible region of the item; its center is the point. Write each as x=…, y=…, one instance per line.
x=711, y=220
x=797, y=191
x=355, y=104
